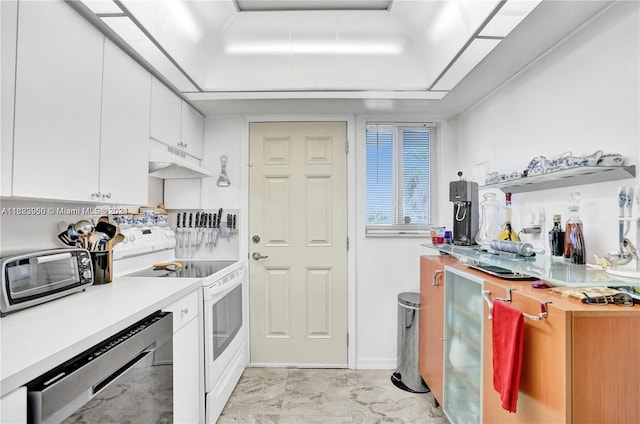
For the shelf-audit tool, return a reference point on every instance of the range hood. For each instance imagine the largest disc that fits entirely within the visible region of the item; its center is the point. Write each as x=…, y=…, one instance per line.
x=172, y=164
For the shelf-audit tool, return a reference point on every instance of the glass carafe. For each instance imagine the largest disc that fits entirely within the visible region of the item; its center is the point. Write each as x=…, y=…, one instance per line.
x=489, y=220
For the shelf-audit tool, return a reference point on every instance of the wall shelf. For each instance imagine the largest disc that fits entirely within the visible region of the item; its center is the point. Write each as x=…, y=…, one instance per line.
x=565, y=178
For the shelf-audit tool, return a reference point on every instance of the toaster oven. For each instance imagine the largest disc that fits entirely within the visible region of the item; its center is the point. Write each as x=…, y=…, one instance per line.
x=33, y=278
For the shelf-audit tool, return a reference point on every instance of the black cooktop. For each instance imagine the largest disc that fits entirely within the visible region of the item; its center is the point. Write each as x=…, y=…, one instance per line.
x=190, y=269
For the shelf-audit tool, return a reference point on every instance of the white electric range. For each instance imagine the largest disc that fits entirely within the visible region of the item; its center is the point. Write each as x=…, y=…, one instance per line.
x=224, y=295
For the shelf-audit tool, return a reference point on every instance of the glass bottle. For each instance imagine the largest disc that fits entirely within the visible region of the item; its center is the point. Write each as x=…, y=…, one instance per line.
x=489, y=227
x=508, y=233
x=556, y=237
x=574, y=247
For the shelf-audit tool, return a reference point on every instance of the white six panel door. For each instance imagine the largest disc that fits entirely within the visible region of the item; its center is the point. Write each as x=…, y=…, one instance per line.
x=298, y=211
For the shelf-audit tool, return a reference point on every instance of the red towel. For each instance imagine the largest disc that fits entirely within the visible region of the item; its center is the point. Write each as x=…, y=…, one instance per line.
x=508, y=336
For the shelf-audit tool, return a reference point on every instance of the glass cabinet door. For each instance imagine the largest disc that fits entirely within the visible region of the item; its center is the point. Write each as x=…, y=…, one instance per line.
x=462, y=347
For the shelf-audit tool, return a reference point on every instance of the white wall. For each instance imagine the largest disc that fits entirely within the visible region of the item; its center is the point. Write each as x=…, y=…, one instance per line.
x=386, y=267
x=582, y=96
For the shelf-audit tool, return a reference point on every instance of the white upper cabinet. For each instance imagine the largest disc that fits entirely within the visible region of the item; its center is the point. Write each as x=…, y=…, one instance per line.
x=165, y=114
x=81, y=112
x=174, y=122
x=8, y=28
x=192, y=130
x=56, y=148
x=124, y=145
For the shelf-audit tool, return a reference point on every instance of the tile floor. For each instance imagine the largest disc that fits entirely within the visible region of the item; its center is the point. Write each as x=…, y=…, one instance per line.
x=325, y=396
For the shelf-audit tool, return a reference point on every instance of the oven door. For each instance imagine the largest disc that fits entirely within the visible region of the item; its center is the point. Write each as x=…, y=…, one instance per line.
x=223, y=326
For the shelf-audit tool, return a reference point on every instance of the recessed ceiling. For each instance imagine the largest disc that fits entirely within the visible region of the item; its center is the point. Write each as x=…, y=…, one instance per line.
x=398, y=54
x=267, y=5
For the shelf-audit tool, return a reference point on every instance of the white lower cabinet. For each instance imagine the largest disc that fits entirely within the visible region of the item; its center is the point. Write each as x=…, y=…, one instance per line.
x=13, y=407
x=188, y=363
x=463, y=321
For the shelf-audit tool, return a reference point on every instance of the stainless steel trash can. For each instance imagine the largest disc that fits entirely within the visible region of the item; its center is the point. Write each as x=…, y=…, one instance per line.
x=407, y=376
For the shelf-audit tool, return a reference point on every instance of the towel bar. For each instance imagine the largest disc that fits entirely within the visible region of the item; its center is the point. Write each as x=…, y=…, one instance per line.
x=543, y=305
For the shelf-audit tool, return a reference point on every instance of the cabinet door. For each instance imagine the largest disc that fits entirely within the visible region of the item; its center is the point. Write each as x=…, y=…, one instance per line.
x=9, y=28
x=431, y=325
x=463, y=347
x=166, y=110
x=187, y=363
x=57, y=106
x=13, y=407
x=544, y=386
x=192, y=130
x=124, y=145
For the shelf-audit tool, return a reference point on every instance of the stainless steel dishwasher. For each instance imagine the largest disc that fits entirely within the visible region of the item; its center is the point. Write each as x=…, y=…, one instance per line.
x=124, y=379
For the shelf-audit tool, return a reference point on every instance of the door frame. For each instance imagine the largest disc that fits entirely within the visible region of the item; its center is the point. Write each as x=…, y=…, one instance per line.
x=351, y=209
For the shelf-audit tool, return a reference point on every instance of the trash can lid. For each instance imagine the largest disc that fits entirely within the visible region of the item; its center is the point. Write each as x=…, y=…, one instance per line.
x=409, y=299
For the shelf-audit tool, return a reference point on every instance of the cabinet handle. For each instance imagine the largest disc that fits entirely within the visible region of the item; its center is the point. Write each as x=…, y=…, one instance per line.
x=96, y=194
x=184, y=311
x=434, y=277
x=107, y=195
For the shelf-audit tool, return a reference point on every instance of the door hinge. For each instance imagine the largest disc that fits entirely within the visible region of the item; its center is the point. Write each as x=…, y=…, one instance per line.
x=347, y=243
x=346, y=147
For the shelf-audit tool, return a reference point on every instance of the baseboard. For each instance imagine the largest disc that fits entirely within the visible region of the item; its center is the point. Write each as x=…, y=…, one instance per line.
x=283, y=365
x=376, y=364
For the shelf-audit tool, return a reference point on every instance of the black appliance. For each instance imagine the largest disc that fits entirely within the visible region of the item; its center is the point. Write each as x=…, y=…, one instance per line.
x=464, y=195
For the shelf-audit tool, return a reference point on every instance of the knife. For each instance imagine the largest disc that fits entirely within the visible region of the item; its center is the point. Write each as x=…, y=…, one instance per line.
x=196, y=231
x=178, y=236
x=189, y=231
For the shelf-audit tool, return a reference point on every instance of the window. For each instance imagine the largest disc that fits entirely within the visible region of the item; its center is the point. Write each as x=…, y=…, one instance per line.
x=399, y=177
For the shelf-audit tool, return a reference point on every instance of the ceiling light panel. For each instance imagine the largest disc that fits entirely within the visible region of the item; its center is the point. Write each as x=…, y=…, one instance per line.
x=268, y=5
x=473, y=54
x=508, y=17
x=138, y=41
x=102, y=7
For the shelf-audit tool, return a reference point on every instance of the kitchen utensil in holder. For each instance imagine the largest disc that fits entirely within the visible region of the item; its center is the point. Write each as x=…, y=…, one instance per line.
x=102, y=262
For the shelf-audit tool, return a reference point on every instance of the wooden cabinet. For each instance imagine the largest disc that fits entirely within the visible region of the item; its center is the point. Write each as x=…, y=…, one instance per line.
x=188, y=362
x=174, y=122
x=579, y=363
x=81, y=112
x=56, y=152
x=124, y=144
x=431, y=324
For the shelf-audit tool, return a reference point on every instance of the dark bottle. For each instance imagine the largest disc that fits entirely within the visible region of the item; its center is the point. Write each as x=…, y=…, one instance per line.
x=574, y=248
x=556, y=237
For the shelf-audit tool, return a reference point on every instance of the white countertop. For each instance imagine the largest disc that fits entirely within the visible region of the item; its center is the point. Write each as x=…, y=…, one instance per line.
x=34, y=340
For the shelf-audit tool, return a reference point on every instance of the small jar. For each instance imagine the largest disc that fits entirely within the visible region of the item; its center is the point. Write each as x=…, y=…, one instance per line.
x=149, y=215
x=124, y=220
x=161, y=219
x=139, y=219
x=448, y=237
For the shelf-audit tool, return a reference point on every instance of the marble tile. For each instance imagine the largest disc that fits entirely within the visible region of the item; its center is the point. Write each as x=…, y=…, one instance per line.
x=326, y=396
x=248, y=419
x=259, y=391
x=322, y=392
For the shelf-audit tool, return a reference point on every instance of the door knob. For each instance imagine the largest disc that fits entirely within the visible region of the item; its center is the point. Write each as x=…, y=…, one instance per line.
x=257, y=255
